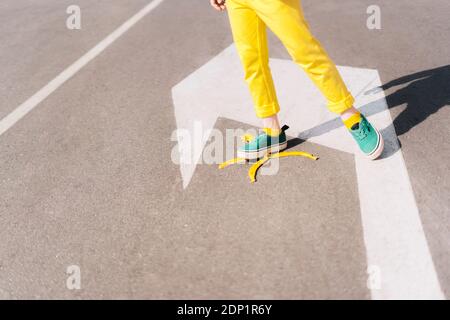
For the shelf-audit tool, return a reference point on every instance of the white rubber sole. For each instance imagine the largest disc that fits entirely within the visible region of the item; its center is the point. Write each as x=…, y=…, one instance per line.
x=262, y=152
x=379, y=150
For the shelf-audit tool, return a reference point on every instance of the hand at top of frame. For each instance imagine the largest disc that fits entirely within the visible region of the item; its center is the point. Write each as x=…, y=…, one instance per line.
x=219, y=5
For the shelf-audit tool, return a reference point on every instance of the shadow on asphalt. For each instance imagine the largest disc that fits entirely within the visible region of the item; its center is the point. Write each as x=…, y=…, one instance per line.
x=426, y=93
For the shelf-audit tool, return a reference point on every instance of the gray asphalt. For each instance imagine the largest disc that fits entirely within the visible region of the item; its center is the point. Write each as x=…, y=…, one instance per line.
x=86, y=178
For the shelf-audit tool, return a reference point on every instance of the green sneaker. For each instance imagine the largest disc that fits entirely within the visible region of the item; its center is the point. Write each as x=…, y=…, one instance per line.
x=366, y=136
x=263, y=144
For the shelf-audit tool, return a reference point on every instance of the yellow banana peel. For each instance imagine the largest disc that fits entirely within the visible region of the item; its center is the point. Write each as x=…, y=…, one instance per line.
x=255, y=167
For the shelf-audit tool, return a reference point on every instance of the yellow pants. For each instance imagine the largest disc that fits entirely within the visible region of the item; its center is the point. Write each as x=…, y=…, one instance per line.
x=249, y=19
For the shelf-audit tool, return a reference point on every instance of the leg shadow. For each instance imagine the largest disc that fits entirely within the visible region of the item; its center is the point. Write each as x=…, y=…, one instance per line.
x=425, y=93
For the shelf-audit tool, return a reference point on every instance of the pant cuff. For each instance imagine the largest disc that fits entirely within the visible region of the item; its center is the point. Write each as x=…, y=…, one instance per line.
x=341, y=106
x=267, y=110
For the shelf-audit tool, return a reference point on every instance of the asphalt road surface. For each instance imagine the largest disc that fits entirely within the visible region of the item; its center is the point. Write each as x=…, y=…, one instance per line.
x=87, y=178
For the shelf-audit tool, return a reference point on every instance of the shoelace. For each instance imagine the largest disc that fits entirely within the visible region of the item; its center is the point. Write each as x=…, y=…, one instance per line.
x=247, y=138
x=361, y=133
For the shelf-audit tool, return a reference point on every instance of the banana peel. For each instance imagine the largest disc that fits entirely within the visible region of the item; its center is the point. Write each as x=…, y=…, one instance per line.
x=255, y=167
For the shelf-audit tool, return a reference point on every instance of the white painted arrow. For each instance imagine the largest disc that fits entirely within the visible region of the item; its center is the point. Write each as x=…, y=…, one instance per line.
x=393, y=233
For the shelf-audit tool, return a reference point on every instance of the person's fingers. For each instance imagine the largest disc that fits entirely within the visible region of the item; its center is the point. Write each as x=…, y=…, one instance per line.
x=222, y=4
x=215, y=5
x=219, y=5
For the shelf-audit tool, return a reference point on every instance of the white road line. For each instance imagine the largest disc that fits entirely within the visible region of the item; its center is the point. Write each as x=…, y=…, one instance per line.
x=393, y=234
x=11, y=119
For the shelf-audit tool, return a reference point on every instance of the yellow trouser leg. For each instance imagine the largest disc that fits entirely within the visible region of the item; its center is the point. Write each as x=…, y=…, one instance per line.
x=249, y=33
x=249, y=19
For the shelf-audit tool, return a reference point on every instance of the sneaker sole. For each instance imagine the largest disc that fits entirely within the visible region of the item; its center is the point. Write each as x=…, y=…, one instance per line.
x=379, y=149
x=262, y=152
